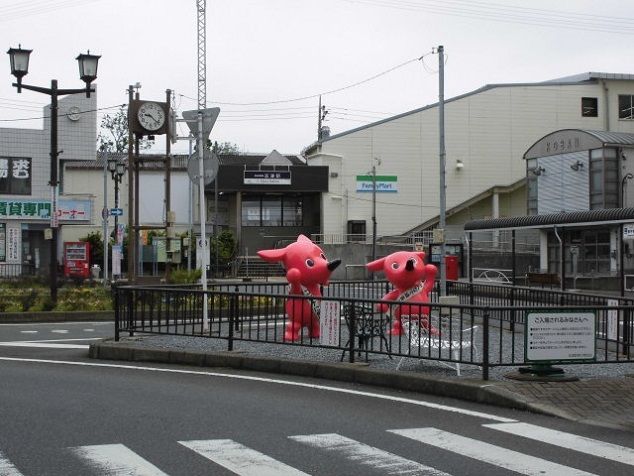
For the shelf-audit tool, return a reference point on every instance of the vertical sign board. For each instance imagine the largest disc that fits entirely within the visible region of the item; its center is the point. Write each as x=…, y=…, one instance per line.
x=329, y=322
x=612, y=320
x=560, y=336
x=117, y=256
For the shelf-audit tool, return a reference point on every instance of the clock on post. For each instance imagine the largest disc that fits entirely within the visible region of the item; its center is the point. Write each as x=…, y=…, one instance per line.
x=148, y=117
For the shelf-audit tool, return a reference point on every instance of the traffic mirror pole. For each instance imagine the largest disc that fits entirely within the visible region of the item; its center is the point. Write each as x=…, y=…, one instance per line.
x=203, y=225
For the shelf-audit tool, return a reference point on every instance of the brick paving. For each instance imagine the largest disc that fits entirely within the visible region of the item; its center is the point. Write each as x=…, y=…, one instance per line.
x=599, y=401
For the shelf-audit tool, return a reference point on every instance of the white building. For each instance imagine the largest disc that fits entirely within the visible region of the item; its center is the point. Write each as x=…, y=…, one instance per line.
x=25, y=193
x=487, y=133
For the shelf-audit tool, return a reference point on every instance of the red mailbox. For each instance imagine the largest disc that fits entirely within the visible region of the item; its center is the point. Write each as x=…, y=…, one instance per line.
x=451, y=265
x=76, y=259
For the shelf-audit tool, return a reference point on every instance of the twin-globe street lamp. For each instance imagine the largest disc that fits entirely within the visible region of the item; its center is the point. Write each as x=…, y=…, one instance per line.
x=87, y=73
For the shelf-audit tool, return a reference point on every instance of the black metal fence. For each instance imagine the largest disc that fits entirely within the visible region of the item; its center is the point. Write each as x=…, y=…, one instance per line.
x=487, y=328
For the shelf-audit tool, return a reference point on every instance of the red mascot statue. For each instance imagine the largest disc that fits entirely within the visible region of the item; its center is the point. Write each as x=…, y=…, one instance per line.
x=306, y=269
x=412, y=280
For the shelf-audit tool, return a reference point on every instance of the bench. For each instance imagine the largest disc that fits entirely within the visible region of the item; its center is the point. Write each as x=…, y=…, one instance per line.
x=453, y=341
x=365, y=323
x=551, y=279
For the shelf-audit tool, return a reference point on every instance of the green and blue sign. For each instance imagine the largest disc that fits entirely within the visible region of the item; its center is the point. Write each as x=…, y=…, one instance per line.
x=384, y=183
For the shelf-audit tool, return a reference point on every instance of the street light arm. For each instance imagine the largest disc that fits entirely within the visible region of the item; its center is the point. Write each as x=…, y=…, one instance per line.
x=49, y=91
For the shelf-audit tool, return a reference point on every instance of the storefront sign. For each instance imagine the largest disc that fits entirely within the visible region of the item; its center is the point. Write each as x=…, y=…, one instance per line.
x=260, y=177
x=628, y=231
x=13, y=244
x=67, y=210
x=329, y=322
x=384, y=183
x=560, y=336
x=3, y=242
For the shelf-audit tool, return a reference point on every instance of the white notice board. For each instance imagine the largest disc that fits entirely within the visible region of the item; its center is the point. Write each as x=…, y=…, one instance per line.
x=560, y=336
x=329, y=322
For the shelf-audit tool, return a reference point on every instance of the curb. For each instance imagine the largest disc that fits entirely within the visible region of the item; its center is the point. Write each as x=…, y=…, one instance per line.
x=55, y=316
x=479, y=391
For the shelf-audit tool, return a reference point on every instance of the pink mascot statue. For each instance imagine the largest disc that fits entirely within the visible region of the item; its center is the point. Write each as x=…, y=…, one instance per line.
x=306, y=269
x=412, y=280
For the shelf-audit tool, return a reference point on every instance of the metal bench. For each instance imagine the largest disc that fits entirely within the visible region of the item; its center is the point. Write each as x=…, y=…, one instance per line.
x=365, y=324
x=452, y=341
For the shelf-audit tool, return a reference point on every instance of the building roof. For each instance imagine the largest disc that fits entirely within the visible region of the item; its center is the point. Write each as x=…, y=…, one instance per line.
x=568, y=80
x=573, y=140
x=179, y=161
x=578, y=218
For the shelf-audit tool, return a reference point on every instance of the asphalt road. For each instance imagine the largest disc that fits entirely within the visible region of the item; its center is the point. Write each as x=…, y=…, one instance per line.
x=63, y=414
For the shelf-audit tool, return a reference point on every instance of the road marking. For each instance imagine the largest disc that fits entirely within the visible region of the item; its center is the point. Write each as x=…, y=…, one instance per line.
x=360, y=453
x=89, y=330
x=116, y=460
x=29, y=332
x=488, y=453
x=409, y=401
x=240, y=459
x=602, y=449
x=44, y=345
x=6, y=468
x=59, y=331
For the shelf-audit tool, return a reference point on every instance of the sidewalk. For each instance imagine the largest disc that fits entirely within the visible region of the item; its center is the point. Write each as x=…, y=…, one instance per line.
x=602, y=401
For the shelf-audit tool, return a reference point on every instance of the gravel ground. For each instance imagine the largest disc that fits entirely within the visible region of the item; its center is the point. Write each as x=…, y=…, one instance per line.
x=427, y=367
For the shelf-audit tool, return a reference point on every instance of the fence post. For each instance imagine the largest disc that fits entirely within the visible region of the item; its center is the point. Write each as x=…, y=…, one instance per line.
x=351, y=331
x=485, y=345
x=236, y=322
x=116, y=313
x=233, y=308
x=131, y=310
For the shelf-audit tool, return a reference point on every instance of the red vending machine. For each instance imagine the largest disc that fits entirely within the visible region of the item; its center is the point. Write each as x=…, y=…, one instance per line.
x=77, y=259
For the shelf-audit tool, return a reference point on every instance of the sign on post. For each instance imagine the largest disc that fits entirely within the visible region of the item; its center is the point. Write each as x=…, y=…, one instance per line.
x=116, y=212
x=209, y=119
x=560, y=336
x=329, y=322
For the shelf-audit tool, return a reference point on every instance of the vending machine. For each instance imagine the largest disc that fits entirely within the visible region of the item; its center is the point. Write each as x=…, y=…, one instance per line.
x=77, y=259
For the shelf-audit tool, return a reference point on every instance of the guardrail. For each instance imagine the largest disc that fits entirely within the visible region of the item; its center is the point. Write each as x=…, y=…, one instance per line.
x=480, y=334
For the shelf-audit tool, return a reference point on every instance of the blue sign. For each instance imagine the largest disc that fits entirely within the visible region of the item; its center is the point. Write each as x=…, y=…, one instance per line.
x=116, y=212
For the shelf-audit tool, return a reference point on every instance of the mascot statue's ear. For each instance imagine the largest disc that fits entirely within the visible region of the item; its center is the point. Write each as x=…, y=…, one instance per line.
x=376, y=265
x=301, y=238
x=421, y=255
x=272, y=255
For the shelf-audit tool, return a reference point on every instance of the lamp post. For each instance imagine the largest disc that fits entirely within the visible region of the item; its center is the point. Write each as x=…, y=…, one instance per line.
x=116, y=168
x=87, y=73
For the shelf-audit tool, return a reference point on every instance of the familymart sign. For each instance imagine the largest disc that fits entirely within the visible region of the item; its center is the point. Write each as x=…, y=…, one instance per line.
x=384, y=183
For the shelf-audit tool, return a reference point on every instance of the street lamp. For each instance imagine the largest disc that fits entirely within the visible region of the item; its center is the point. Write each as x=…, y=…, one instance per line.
x=88, y=73
x=116, y=168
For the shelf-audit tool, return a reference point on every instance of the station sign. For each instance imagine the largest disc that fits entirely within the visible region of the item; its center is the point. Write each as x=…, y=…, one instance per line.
x=265, y=177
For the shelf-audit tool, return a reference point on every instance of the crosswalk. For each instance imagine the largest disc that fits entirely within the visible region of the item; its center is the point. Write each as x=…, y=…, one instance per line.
x=237, y=458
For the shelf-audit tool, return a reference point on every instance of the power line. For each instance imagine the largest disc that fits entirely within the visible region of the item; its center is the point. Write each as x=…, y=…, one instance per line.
x=499, y=12
x=61, y=115
x=315, y=96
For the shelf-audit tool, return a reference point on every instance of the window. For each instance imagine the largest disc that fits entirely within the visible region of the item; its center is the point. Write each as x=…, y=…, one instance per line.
x=589, y=107
x=15, y=175
x=271, y=210
x=626, y=107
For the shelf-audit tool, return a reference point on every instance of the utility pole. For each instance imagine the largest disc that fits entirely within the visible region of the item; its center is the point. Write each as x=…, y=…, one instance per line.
x=321, y=116
x=132, y=205
x=443, y=191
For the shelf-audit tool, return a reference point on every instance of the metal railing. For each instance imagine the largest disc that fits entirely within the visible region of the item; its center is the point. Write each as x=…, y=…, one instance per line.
x=487, y=332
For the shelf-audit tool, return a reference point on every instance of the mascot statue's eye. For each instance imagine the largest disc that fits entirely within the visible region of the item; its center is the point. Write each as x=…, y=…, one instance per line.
x=310, y=263
x=394, y=265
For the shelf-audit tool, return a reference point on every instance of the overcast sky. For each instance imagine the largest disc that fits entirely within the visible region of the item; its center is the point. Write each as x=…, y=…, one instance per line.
x=262, y=53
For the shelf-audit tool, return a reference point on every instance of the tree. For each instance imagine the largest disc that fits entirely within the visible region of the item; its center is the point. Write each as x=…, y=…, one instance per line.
x=113, y=133
x=223, y=148
x=96, y=247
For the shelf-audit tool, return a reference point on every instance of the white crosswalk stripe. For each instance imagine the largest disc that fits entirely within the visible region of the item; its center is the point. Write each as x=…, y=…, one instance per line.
x=240, y=459
x=116, y=460
x=384, y=461
x=622, y=454
x=488, y=453
x=6, y=468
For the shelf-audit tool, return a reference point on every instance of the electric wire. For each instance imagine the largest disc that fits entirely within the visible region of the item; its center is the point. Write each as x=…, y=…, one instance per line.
x=61, y=115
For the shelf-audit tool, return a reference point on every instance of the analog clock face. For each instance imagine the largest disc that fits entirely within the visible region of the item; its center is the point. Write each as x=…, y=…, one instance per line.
x=151, y=116
x=73, y=113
